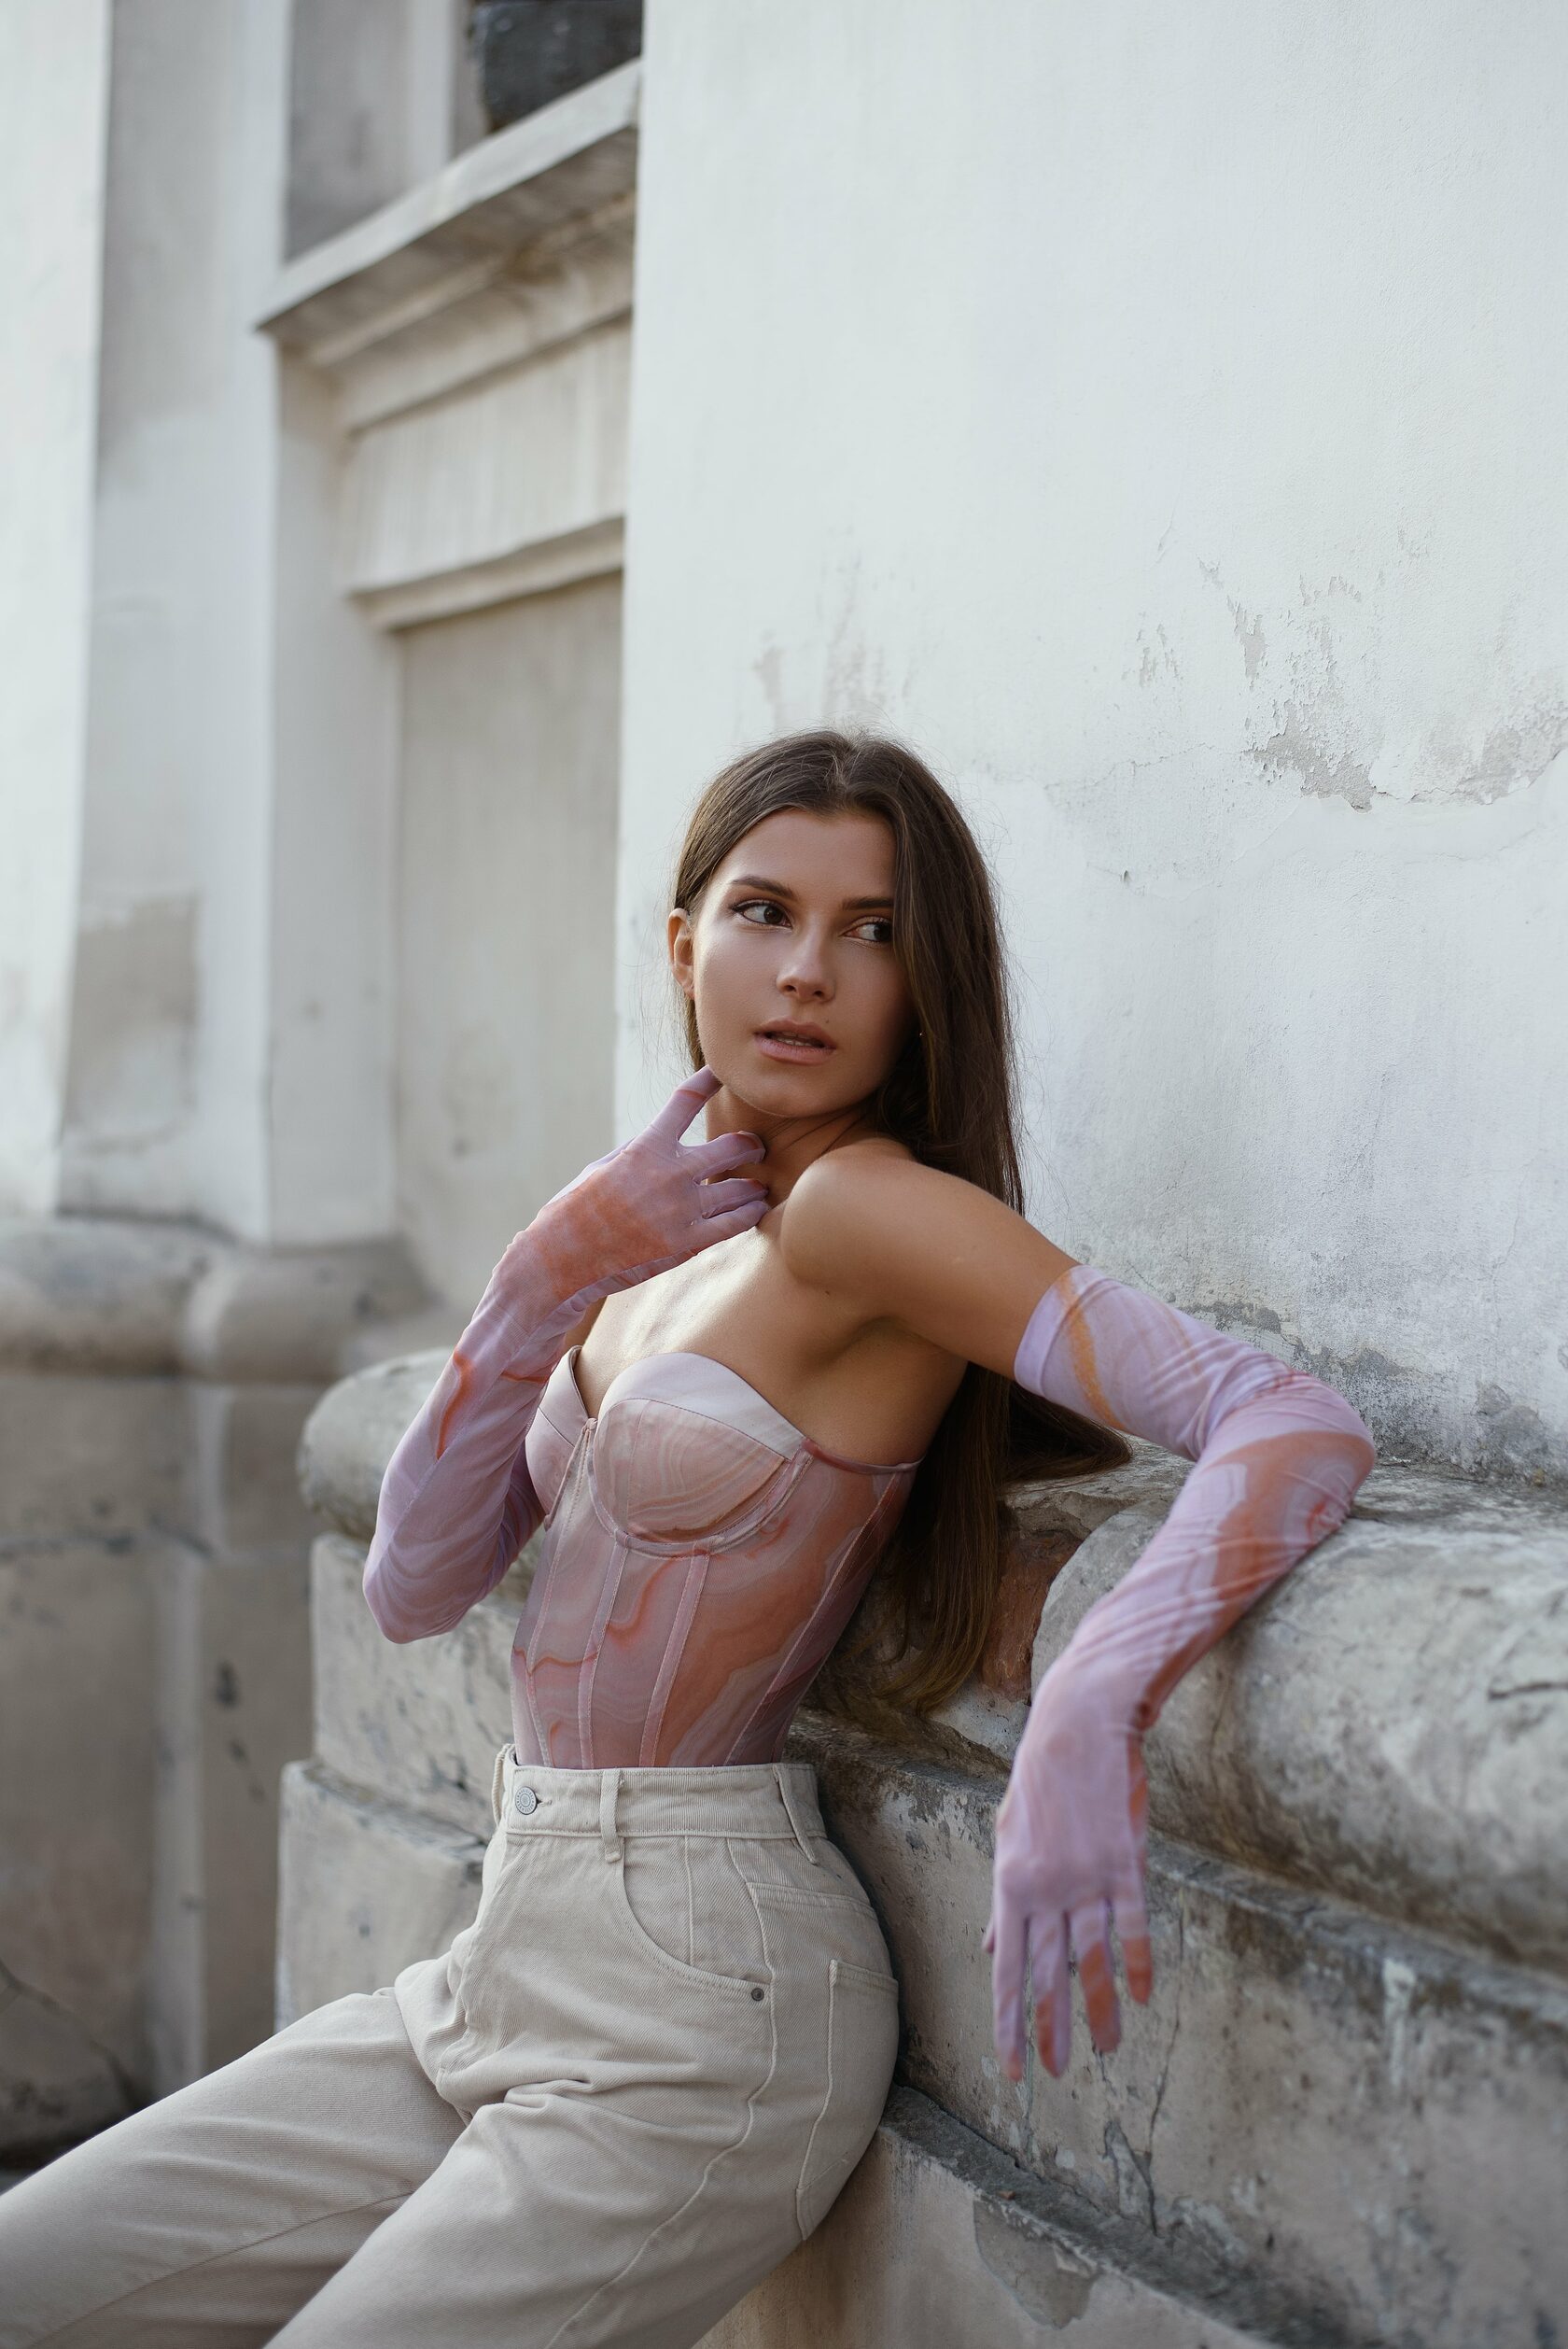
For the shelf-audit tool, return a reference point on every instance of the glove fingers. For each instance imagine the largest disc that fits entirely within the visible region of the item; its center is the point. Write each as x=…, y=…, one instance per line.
x=1053, y=1995
x=1008, y=1941
x=724, y=1152
x=1091, y=1949
x=718, y=1198
x=683, y=1106
x=734, y=1219
x=1132, y=1930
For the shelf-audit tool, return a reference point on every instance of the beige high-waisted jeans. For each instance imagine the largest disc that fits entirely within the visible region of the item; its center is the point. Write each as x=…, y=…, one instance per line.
x=628, y=2089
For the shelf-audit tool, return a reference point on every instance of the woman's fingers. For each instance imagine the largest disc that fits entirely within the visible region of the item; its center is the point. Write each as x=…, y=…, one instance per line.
x=718, y=1198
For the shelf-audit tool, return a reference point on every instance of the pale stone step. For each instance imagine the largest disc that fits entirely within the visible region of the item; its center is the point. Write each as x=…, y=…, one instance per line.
x=366, y=1887
x=939, y=2242
x=1312, y=2094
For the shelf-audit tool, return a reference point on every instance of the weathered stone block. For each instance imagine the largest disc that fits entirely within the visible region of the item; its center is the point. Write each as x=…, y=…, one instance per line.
x=1312, y=2096
x=352, y=1434
x=419, y=1723
x=58, y=2084
x=76, y=1787
x=366, y=1887
x=88, y=1456
x=233, y=1696
x=938, y=2241
x=241, y=1491
x=286, y=1315
x=97, y=1293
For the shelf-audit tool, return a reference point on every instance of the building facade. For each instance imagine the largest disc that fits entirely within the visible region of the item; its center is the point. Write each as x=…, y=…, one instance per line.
x=1152, y=415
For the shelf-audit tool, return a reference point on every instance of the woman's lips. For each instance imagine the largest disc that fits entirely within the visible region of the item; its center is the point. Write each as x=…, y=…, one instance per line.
x=787, y=1048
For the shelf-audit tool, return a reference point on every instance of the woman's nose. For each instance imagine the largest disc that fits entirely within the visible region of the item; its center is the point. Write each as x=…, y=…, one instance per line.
x=806, y=971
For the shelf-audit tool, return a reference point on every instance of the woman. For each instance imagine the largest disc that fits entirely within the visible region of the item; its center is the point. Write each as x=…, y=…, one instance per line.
x=729, y=1377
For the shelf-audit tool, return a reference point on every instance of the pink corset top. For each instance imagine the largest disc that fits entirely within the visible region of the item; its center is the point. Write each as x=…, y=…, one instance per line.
x=700, y=1557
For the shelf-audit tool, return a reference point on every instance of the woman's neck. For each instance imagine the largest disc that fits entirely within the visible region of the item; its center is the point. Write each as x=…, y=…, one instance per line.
x=792, y=1142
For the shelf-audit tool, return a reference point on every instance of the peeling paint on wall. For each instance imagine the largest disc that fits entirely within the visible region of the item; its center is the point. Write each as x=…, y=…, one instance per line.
x=1293, y=750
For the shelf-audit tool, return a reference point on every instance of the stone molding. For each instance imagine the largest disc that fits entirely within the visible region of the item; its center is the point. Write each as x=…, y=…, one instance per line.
x=110, y=1296
x=477, y=333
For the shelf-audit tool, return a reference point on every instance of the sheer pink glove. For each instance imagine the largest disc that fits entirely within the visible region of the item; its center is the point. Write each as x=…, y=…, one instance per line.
x=456, y=1504
x=1280, y=1458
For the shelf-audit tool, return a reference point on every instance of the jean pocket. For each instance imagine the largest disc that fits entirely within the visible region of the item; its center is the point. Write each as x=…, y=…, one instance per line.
x=668, y=1910
x=862, y=2047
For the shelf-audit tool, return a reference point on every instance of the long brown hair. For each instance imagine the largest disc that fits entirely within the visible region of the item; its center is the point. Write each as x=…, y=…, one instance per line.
x=948, y=1098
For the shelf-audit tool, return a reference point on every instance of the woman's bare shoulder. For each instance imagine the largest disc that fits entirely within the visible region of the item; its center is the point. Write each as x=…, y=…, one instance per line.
x=938, y=1254
x=847, y=1195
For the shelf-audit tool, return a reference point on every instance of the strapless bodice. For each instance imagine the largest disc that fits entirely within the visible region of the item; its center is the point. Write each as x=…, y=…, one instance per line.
x=700, y=1557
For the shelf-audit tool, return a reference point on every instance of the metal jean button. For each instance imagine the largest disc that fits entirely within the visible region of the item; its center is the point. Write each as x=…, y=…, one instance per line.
x=525, y=1800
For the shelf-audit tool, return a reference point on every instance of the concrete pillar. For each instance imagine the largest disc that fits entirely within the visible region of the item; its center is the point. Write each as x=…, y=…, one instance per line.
x=53, y=112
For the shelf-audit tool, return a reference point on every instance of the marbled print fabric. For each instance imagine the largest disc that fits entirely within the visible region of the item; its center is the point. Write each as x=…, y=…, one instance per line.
x=701, y=1558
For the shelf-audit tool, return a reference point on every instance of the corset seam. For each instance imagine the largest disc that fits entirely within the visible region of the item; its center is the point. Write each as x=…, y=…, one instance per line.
x=814, y=1617
x=670, y=1662
x=780, y=1485
x=589, y=1673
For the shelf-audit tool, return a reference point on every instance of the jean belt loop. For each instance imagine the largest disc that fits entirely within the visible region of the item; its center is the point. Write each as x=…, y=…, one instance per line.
x=610, y=1787
x=784, y=1795
x=498, y=1781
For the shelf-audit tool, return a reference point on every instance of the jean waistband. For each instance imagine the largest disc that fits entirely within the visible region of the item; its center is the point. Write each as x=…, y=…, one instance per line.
x=755, y=1799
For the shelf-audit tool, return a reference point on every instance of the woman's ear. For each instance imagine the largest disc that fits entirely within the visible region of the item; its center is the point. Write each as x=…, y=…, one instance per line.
x=678, y=931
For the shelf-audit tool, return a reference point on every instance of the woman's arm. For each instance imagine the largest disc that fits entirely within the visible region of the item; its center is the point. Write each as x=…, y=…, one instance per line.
x=456, y=1504
x=1279, y=1456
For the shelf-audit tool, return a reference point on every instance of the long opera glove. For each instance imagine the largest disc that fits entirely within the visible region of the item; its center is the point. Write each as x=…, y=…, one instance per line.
x=1280, y=1458
x=456, y=1503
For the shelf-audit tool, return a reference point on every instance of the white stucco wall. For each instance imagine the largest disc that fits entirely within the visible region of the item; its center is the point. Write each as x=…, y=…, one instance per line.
x=178, y=745
x=53, y=100
x=1155, y=415
x=506, y=841
x=229, y=1045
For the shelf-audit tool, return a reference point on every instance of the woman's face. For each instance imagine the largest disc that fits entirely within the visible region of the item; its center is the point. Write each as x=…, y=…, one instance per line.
x=794, y=931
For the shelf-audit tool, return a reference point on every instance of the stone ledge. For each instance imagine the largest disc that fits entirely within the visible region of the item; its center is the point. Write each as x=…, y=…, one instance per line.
x=561, y=165
x=939, y=2242
x=1392, y=1722
x=1312, y=2097
x=110, y=1297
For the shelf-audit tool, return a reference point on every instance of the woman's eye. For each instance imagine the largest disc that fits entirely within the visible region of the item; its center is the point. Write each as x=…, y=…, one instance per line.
x=763, y=904
x=884, y=923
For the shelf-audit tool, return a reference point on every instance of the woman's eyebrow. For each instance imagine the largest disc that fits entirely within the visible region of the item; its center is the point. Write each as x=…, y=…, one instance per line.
x=781, y=889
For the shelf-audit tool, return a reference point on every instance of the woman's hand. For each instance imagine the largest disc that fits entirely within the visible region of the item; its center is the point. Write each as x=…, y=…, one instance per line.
x=654, y=1201
x=1069, y=1855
